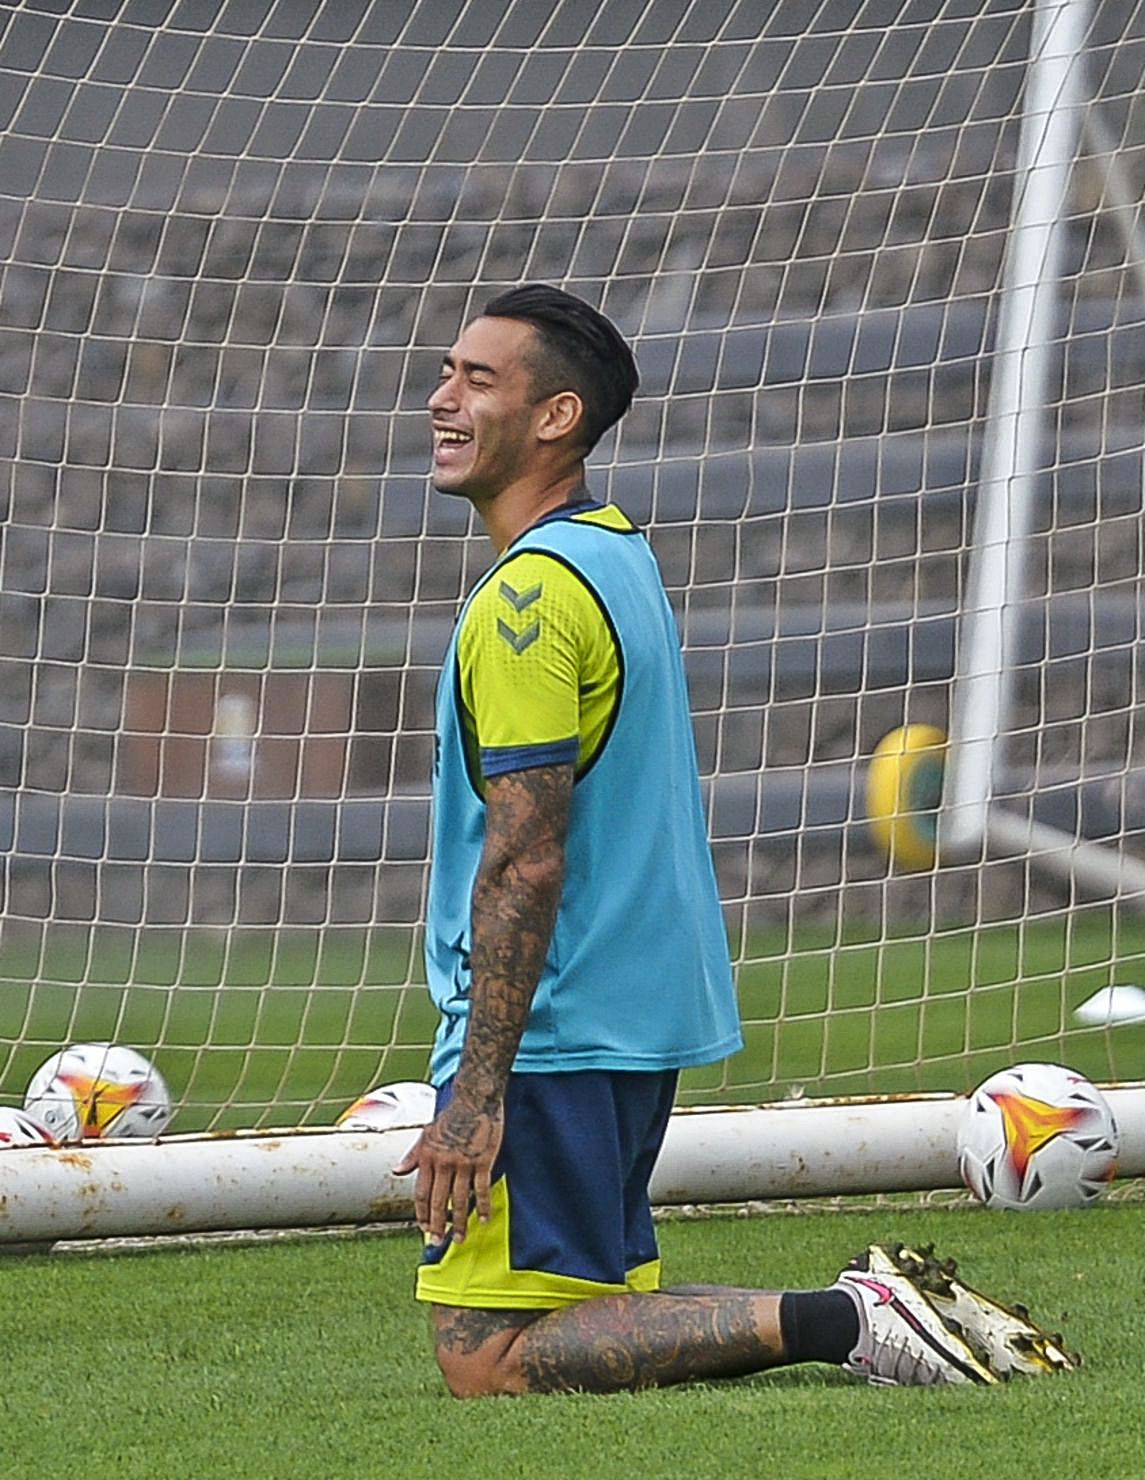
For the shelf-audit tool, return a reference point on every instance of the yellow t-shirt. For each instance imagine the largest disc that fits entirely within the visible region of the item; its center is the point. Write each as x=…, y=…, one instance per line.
x=539, y=668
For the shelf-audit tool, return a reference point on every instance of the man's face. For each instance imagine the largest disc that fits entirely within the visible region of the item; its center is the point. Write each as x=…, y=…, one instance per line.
x=484, y=415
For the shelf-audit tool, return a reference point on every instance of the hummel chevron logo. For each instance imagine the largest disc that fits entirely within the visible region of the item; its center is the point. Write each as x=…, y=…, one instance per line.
x=519, y=641
x=519, y=600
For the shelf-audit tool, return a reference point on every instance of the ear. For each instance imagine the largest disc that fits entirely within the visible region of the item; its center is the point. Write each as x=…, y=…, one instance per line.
x=560, y=415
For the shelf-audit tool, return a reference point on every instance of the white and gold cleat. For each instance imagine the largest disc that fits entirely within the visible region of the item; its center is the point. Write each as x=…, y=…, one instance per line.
x=903, y=1341
x=1004, y=1337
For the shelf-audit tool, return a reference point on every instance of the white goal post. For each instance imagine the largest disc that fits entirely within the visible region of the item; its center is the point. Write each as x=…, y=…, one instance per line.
x=880, y=262
x=1055, y=116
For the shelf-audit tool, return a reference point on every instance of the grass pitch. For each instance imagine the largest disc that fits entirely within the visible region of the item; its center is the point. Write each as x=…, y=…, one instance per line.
x=311, y=1360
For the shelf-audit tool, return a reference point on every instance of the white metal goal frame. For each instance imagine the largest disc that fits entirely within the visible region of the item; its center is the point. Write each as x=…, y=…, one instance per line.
x=1058, y=114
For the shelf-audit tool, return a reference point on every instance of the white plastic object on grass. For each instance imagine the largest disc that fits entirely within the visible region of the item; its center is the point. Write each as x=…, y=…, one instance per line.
x=1112, y=1007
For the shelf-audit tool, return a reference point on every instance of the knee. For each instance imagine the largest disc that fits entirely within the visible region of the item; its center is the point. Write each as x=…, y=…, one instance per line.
x=476, y=1350
x=482, y=1373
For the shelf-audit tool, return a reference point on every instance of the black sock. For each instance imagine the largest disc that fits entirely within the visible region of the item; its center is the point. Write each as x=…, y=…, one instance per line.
x=818, y=1325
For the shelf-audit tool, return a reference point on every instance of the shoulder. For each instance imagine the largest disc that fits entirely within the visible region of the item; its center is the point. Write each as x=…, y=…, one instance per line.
x=530, y=583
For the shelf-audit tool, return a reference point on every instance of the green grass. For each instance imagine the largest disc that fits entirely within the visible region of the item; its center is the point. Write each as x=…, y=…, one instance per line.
x=284, y=1027
x=311, y=1360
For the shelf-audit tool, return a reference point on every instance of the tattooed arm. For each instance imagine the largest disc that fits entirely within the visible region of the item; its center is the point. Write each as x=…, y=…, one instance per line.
x=515, y=898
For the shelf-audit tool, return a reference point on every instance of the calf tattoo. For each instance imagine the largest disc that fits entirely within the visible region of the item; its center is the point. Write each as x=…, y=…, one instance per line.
x=623, y=1342
x=638, y=1341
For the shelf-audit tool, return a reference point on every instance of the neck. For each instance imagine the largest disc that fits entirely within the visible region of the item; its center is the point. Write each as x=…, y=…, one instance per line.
x=518, y=507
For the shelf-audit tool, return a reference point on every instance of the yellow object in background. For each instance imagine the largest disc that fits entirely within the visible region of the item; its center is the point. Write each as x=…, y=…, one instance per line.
x=904, y=790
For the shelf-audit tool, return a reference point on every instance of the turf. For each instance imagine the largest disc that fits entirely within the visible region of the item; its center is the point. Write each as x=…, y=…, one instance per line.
x=311, y=1359
x=287, y=1027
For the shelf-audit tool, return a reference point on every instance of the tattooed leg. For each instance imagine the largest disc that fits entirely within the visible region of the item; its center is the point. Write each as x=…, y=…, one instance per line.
x=472, y=1345
x=634, y=1341
x=611, y=1344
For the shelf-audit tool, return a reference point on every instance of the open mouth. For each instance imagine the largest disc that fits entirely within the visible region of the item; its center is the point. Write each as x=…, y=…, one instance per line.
x=446, y=438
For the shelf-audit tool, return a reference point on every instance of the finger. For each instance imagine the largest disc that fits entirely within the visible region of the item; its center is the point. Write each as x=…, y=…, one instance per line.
x=421, y=1192
x=438, y=1205
x=462, y=1180
x=409, y=1161
x=481, y=1184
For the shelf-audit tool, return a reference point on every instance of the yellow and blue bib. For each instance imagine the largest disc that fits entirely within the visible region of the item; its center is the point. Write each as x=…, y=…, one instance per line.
x=567, y=650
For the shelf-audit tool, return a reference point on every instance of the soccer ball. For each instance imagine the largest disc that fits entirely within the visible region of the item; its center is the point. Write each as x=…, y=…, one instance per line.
x=18, y=1128
x=1037, y=1136
x=92, y=1090
x=407, y=1103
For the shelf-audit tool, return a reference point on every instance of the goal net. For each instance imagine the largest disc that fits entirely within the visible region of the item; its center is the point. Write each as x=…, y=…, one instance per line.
x=236, y=239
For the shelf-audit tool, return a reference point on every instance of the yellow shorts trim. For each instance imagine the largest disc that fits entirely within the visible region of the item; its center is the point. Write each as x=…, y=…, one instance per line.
x=478, y=1274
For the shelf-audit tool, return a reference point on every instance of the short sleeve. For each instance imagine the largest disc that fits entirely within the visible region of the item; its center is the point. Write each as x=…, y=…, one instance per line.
x=522, y=652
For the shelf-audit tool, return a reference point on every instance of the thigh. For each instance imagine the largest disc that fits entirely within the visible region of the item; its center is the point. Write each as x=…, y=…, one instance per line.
x=570, y=1213
x=645, y=1109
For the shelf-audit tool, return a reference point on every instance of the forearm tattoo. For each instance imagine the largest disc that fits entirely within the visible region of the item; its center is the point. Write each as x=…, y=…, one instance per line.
x=515, y=899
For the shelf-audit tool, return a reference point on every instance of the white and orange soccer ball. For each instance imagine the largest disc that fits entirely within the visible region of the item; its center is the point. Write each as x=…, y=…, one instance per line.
x=92, y=1090
x=408, y=1102
x=18, y=1128
x=1037, y=1136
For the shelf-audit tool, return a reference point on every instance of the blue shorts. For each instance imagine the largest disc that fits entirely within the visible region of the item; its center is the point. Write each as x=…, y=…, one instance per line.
x=570, y=1214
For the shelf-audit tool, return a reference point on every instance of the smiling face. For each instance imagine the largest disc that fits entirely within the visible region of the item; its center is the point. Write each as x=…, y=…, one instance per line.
x=489, y=430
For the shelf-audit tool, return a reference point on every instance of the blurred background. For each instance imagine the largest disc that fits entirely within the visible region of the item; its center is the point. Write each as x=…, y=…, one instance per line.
x=237, y=238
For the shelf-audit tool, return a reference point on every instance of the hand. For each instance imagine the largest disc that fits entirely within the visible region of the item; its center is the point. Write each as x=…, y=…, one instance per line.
x=453, y=1157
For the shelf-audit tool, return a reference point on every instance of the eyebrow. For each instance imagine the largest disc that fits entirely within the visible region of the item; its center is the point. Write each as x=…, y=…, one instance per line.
x=468, y=365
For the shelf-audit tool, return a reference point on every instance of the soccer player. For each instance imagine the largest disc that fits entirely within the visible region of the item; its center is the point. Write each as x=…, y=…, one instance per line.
x=575, y=943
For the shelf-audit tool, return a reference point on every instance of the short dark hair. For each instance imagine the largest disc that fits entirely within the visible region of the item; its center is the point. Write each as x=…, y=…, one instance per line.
x=578, y=349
